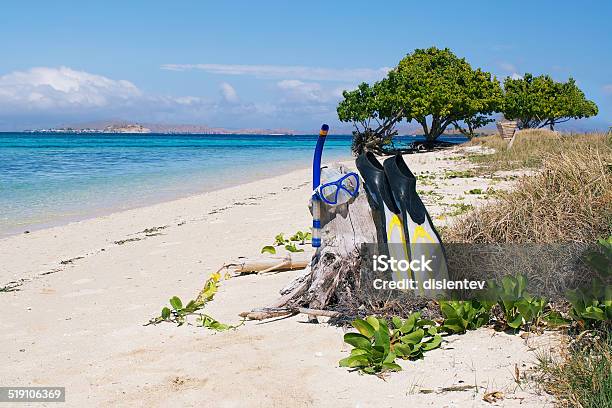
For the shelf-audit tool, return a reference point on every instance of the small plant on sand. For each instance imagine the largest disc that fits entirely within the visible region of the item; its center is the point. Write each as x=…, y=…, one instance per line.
x=462, y=315
x=300, y=237
x=460, y=208
x=592, y=307
x=581, y=378
x=179, y=313
x=280, y=239
x=451, y=174
x=376, y=346
x=518, y=306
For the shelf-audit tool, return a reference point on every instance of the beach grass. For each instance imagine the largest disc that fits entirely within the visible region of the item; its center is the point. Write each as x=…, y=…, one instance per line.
x=569, y=199
x=581, y=378
x=532, y=147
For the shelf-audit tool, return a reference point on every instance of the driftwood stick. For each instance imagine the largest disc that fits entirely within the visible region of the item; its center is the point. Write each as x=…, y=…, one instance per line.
x=318, y=312
x=268, y=313
x=262, y=264
x=275, y=267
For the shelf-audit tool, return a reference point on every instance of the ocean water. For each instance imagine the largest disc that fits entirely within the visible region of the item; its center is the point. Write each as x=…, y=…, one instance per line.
x=49, y=179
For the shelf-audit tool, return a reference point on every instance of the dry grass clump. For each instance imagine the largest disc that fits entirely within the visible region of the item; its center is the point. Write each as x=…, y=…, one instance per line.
x=582, y=378
x=570, y=200
x=531, y=146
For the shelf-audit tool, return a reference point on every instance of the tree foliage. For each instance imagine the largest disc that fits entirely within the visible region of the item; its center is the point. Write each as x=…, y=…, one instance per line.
x=437, y=89
x=431, y=86
x=539, y=101
x=373, y=115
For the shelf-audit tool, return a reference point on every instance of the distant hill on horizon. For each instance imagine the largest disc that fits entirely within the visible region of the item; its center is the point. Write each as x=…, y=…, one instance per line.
x=138, y=127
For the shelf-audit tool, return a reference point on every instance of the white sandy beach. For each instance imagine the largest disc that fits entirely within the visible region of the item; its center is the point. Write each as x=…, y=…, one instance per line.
x=77, y=320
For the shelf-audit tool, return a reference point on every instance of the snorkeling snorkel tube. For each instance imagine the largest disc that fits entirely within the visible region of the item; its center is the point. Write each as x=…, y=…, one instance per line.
x=316, y=181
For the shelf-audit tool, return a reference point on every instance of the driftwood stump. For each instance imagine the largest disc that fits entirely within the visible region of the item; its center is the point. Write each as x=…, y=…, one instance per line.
x=344, y=228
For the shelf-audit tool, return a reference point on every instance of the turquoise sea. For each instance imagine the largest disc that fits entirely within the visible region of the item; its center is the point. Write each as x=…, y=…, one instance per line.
x=48, y=179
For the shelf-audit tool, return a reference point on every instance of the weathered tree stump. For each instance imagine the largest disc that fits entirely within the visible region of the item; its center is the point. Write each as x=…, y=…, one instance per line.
x=344, y=228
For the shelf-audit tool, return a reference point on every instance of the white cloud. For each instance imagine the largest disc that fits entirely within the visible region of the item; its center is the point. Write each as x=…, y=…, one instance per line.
x=507, y=66
x=285, y=71
x=299, y=90
x=59, y=88
x=48, y=96
x=516, y=76
x=228, y=92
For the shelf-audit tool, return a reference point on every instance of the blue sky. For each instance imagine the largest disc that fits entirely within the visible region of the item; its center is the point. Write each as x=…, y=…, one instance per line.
x=270, y=63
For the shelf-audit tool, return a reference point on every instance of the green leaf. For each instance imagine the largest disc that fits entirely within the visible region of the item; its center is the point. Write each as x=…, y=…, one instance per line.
x=353, y=361
x=402, y=350
x=269, y=249
x=554, y=319
x=357, y=340
x=391, y=367
x=279, y=239
x=447, y=310
x=413, y=338
x=165, y=313
x=516, y=322
x=363, y=327
x=409, y=323
x=381, y=338
x=425, y=322
x=374, y=322
x=210, y=323
x=434, y=343
x=176, y=303
x=293, y=248
x=595, y=313
x=390, y=358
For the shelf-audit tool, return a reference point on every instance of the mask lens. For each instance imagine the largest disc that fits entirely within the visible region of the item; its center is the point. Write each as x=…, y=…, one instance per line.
x=328, y=193
x=350, y=183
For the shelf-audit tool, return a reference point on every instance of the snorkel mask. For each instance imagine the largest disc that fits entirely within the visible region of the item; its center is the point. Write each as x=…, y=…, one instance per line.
x=336, y=189
x=341, y=189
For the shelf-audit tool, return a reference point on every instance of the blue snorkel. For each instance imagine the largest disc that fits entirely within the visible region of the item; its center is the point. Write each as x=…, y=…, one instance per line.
x=316, y=181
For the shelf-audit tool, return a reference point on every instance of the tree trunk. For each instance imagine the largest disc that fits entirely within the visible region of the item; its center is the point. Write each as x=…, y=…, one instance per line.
x=344, y=228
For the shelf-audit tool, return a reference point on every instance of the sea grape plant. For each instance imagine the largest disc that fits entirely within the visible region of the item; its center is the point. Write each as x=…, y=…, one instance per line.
x=462, y=315
x=518, y=306
x=179, y=313
x=299, y=237
x=376, y=345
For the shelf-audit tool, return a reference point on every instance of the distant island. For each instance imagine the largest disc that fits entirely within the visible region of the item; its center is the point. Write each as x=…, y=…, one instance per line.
x=127, y=127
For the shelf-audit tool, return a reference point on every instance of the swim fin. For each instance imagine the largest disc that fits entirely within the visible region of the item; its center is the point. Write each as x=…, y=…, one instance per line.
x=390, y=234
x=423, y=240
x=378, y=193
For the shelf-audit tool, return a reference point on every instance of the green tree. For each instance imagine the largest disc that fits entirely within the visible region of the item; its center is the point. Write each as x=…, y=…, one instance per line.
x=537, y=102
x=374, y=116
x=436, y=88
x=431, y=86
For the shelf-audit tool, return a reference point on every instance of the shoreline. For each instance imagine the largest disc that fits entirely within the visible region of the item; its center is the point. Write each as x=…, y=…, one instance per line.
x=107, y=211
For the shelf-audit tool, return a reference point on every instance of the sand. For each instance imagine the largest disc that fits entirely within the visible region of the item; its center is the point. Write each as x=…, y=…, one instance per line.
x=88, y=287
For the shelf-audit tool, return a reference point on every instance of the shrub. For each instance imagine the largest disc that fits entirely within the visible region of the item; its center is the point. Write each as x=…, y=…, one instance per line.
x=376, y=346
x=462, y=315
